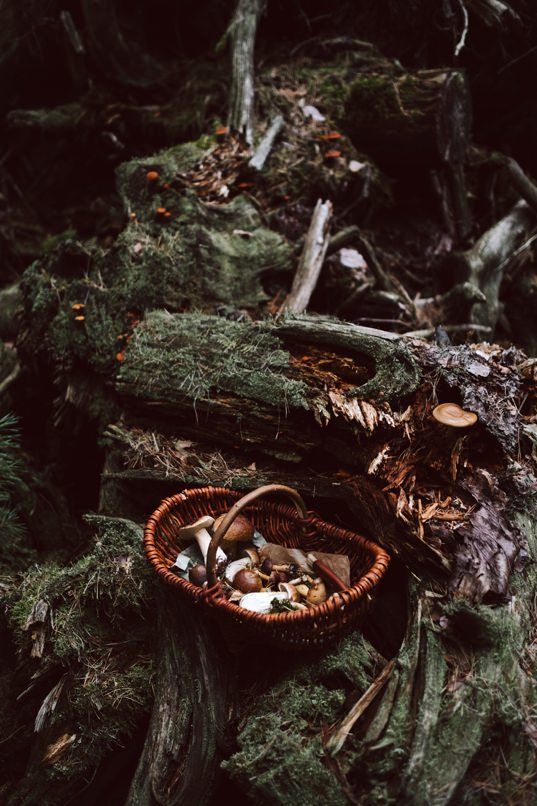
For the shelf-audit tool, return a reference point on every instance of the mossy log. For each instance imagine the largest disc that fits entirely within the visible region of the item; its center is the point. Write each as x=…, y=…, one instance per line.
x=327, y=394
x=410, y=118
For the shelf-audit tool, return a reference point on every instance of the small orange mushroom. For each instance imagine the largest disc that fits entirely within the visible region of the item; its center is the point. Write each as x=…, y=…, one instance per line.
x=120, y=356
x=133, y=216
x=78, y=306
x=79, y=318
x=161, y=211
x=221, y=131
x=152, y=176
x=166, y=185
x=452, y=414
x=167, y=215
x=331, y=136
x=333, y=154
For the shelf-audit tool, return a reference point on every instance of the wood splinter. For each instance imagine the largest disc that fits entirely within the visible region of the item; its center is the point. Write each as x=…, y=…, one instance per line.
x=311, y=259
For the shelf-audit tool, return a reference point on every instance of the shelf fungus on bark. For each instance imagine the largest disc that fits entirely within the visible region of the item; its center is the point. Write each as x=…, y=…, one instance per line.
x=453, y=415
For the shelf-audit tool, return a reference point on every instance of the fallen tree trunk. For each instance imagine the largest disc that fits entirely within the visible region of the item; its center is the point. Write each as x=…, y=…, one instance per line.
x=438, y=725
x=408, y=118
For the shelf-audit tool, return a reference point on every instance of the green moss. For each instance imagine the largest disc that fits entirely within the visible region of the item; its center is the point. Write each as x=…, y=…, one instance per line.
x=192, y=356
x=205, y=255
x=98, y=628
x=281, y=759
x=16, y=550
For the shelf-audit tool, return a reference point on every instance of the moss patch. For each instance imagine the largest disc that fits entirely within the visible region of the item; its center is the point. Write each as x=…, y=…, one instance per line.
x=81, y=302
x=191, y=356
x=281, y=759
x=93, y=617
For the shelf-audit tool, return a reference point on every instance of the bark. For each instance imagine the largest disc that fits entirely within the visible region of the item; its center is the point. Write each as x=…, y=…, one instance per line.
x=183, y=747
x=242, y=33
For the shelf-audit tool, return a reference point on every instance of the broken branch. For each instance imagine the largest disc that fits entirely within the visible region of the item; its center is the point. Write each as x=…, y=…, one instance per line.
x=311, y=260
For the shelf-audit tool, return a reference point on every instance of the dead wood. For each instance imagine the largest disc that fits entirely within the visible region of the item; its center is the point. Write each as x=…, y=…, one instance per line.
x=180, y=758
x=242, y=33
x=408, y=118
x=264, y=148
x=484, y=264
x=311, y=259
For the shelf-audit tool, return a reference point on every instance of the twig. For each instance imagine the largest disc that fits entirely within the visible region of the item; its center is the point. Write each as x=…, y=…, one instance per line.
x=265, y=146
x=311, y=260
x=462, y=40
x=522, y=182
x=430, y=331
x=339, y=737
x=342, y=238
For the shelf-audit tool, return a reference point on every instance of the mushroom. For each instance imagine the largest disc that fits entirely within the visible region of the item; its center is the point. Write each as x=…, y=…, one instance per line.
x=289, y=590
x=198, y=531
x=317, y=593
x=198, y=575
x=252, y=554
x=240, y=531
x=261, y=602
x=332, y=155
x=152, y=176
x=247, y=581
x=452, y=414
x=236, y=566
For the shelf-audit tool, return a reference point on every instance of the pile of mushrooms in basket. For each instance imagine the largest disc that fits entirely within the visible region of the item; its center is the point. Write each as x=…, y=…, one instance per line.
x=256, y=575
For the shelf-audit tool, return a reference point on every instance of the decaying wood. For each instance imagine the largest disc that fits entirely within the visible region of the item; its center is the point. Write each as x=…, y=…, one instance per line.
x=484, y=264
x=242, y=32
x=342, y=730
x=521, y=181
x=180, y=758
x=311, y=259
x=340, y=412
x=422, y=117
x=363, y=428
x=265, y=146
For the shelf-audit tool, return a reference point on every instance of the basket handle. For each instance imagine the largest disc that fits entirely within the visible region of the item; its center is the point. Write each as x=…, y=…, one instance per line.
x=218, y=536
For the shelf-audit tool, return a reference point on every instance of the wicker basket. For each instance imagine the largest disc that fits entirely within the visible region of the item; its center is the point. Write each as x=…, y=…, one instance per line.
x=291, y=526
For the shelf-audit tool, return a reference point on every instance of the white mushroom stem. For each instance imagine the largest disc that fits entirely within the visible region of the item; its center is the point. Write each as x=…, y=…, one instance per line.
x=203, y=538
x=198, y=531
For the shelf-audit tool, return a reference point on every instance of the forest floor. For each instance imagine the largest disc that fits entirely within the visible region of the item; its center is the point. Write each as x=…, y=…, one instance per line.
x=202, y=286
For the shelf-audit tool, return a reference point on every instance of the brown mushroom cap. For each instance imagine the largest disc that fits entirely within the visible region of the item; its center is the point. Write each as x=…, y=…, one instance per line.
x=452, y=414
x=247, y=581
x=240, y=531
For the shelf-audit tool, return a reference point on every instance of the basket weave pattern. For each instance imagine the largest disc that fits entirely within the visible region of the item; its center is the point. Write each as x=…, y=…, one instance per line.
x=278, y=523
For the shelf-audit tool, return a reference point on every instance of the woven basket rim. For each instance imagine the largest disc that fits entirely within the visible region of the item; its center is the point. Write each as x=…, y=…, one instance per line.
x=337, y=600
